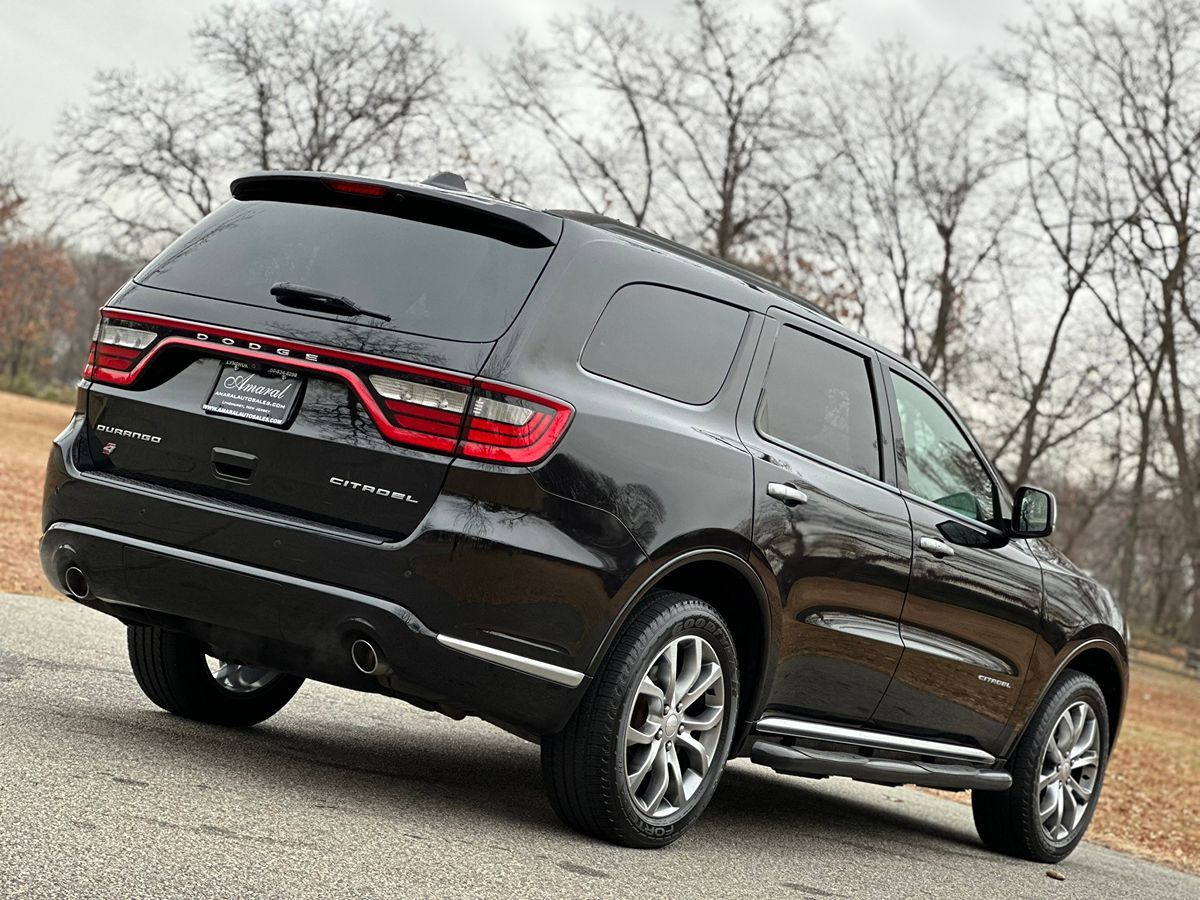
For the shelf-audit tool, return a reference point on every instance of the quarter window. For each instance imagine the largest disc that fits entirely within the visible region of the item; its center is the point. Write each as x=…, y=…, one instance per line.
x=818, y=397
x=942, y=466
x=668, y=342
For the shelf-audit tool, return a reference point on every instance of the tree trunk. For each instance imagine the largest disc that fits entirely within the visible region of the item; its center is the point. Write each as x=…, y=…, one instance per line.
x=1134, y=527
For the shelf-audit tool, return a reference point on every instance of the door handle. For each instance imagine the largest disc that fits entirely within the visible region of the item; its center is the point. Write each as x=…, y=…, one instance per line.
x=937, y=548
x=788, y=493
x=233, y=465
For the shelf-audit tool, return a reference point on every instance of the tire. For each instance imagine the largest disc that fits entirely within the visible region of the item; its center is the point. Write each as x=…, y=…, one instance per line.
x=172, y=670
x=584, y=766
x=1011, y=821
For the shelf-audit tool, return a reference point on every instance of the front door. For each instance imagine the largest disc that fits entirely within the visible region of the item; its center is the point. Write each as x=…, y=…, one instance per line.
x=974, y=602
x=833, y=530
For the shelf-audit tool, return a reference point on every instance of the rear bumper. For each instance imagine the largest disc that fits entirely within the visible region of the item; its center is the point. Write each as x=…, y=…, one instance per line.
x=494, y=607
x=306, y=628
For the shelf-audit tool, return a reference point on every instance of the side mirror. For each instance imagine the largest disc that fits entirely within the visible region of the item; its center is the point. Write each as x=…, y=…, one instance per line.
x=1034, y=513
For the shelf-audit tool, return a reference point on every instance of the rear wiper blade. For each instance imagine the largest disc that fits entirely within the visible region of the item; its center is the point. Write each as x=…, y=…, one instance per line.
x=303, y=297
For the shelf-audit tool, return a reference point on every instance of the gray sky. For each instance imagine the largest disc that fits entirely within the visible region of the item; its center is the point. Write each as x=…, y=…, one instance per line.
x=50, y=50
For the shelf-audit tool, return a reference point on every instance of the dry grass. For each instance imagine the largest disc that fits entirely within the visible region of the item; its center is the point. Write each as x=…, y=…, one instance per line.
x=1151, y=801
x=29, y=427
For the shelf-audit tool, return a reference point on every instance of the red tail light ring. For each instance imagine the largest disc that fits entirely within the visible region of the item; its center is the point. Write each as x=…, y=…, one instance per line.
x=417, y=406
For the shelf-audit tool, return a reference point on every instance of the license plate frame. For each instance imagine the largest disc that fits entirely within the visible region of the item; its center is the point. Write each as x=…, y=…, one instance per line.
x=268, y=395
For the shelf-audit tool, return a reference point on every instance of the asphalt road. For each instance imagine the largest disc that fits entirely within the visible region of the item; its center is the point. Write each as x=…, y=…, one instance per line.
x=345, y=794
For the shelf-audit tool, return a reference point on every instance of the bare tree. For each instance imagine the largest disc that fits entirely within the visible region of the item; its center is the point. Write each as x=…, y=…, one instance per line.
x=693, y=132
x=590, y=97
x=915, y=205
x=1131, y=77
x=737, y=99
x=299, y=84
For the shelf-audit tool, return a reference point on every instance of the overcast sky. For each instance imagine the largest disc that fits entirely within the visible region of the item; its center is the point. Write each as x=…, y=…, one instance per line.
x=50, y=50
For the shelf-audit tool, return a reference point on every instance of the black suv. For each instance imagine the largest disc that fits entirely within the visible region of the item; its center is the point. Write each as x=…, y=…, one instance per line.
x=612, y=495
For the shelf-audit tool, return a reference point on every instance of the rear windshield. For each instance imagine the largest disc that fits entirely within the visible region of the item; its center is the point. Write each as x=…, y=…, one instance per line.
x=432, y=279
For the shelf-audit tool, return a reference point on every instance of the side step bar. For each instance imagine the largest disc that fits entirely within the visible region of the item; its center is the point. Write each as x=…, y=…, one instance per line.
x=823, y=763
x=857, y=737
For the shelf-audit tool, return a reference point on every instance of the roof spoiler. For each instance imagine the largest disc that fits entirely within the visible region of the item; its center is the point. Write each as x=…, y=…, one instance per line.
x=439, y=190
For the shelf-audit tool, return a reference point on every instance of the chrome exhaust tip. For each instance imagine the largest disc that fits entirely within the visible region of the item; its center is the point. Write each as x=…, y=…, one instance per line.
x=76, y=582
x=367, y=659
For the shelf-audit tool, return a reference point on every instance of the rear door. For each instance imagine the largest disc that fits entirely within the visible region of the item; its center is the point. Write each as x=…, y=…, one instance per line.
x=974, y=602
x=827, y=520
x=203, y=382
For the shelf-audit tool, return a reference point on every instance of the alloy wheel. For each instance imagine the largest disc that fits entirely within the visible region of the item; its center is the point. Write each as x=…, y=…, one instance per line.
x=674, y=726
x=238, y=678
x=1070, y=767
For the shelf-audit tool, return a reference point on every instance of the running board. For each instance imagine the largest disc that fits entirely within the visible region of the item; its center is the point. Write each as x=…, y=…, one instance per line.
x=824, y=763
x=877, y=740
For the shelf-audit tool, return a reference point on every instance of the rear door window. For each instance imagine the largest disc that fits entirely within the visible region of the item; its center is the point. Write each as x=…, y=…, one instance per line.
x=668, y=342
x=819, y=398
x=443, y=279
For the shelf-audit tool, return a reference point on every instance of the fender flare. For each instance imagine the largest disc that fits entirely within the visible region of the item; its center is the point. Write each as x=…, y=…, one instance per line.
x=768, y=615
x=1061, y=666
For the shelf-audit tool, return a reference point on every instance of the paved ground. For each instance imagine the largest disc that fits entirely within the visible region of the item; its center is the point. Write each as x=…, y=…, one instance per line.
x=342, y=794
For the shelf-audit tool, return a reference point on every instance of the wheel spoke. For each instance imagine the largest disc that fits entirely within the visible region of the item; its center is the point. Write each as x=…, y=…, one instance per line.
x=697, y=754
x=1083, y=794
x=1049, y=801
x=660, y=780
x=690, y=664
x=225, y=673
x=670, y=664
x=1083, y=762
x=707, y=677
x=710, y=718
x=634, y=736
x=1055, y=753
x=650, y=689
x=1087, y=739
x=1070, y=814
x=637, y=776
x=675, y=789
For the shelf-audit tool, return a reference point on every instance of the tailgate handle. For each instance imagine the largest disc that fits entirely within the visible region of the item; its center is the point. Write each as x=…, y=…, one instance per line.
x=233, y=465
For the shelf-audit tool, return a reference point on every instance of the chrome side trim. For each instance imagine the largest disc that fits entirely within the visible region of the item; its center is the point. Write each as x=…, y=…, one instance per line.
x=922, y=640
x=871, y=628
x=857, y=737
x=910, y=637
x=523, y=664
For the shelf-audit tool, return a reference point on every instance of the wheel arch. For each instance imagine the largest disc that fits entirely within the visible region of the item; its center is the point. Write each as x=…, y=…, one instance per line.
x=1102, y=660
x=727, y=582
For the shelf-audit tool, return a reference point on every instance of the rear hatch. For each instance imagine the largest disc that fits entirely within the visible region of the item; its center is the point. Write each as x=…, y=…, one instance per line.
x=290, y=404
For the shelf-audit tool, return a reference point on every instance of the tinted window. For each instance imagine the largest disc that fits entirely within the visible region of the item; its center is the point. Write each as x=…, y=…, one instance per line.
x=940, y=462
x=818, y=398
x=431, y=279
x=670, y=343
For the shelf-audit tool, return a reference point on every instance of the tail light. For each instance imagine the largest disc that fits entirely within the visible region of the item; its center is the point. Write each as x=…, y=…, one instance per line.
x=481, y=420
x=115, y=350
x=508, y=425
x=434, y=410
x=426, y=414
